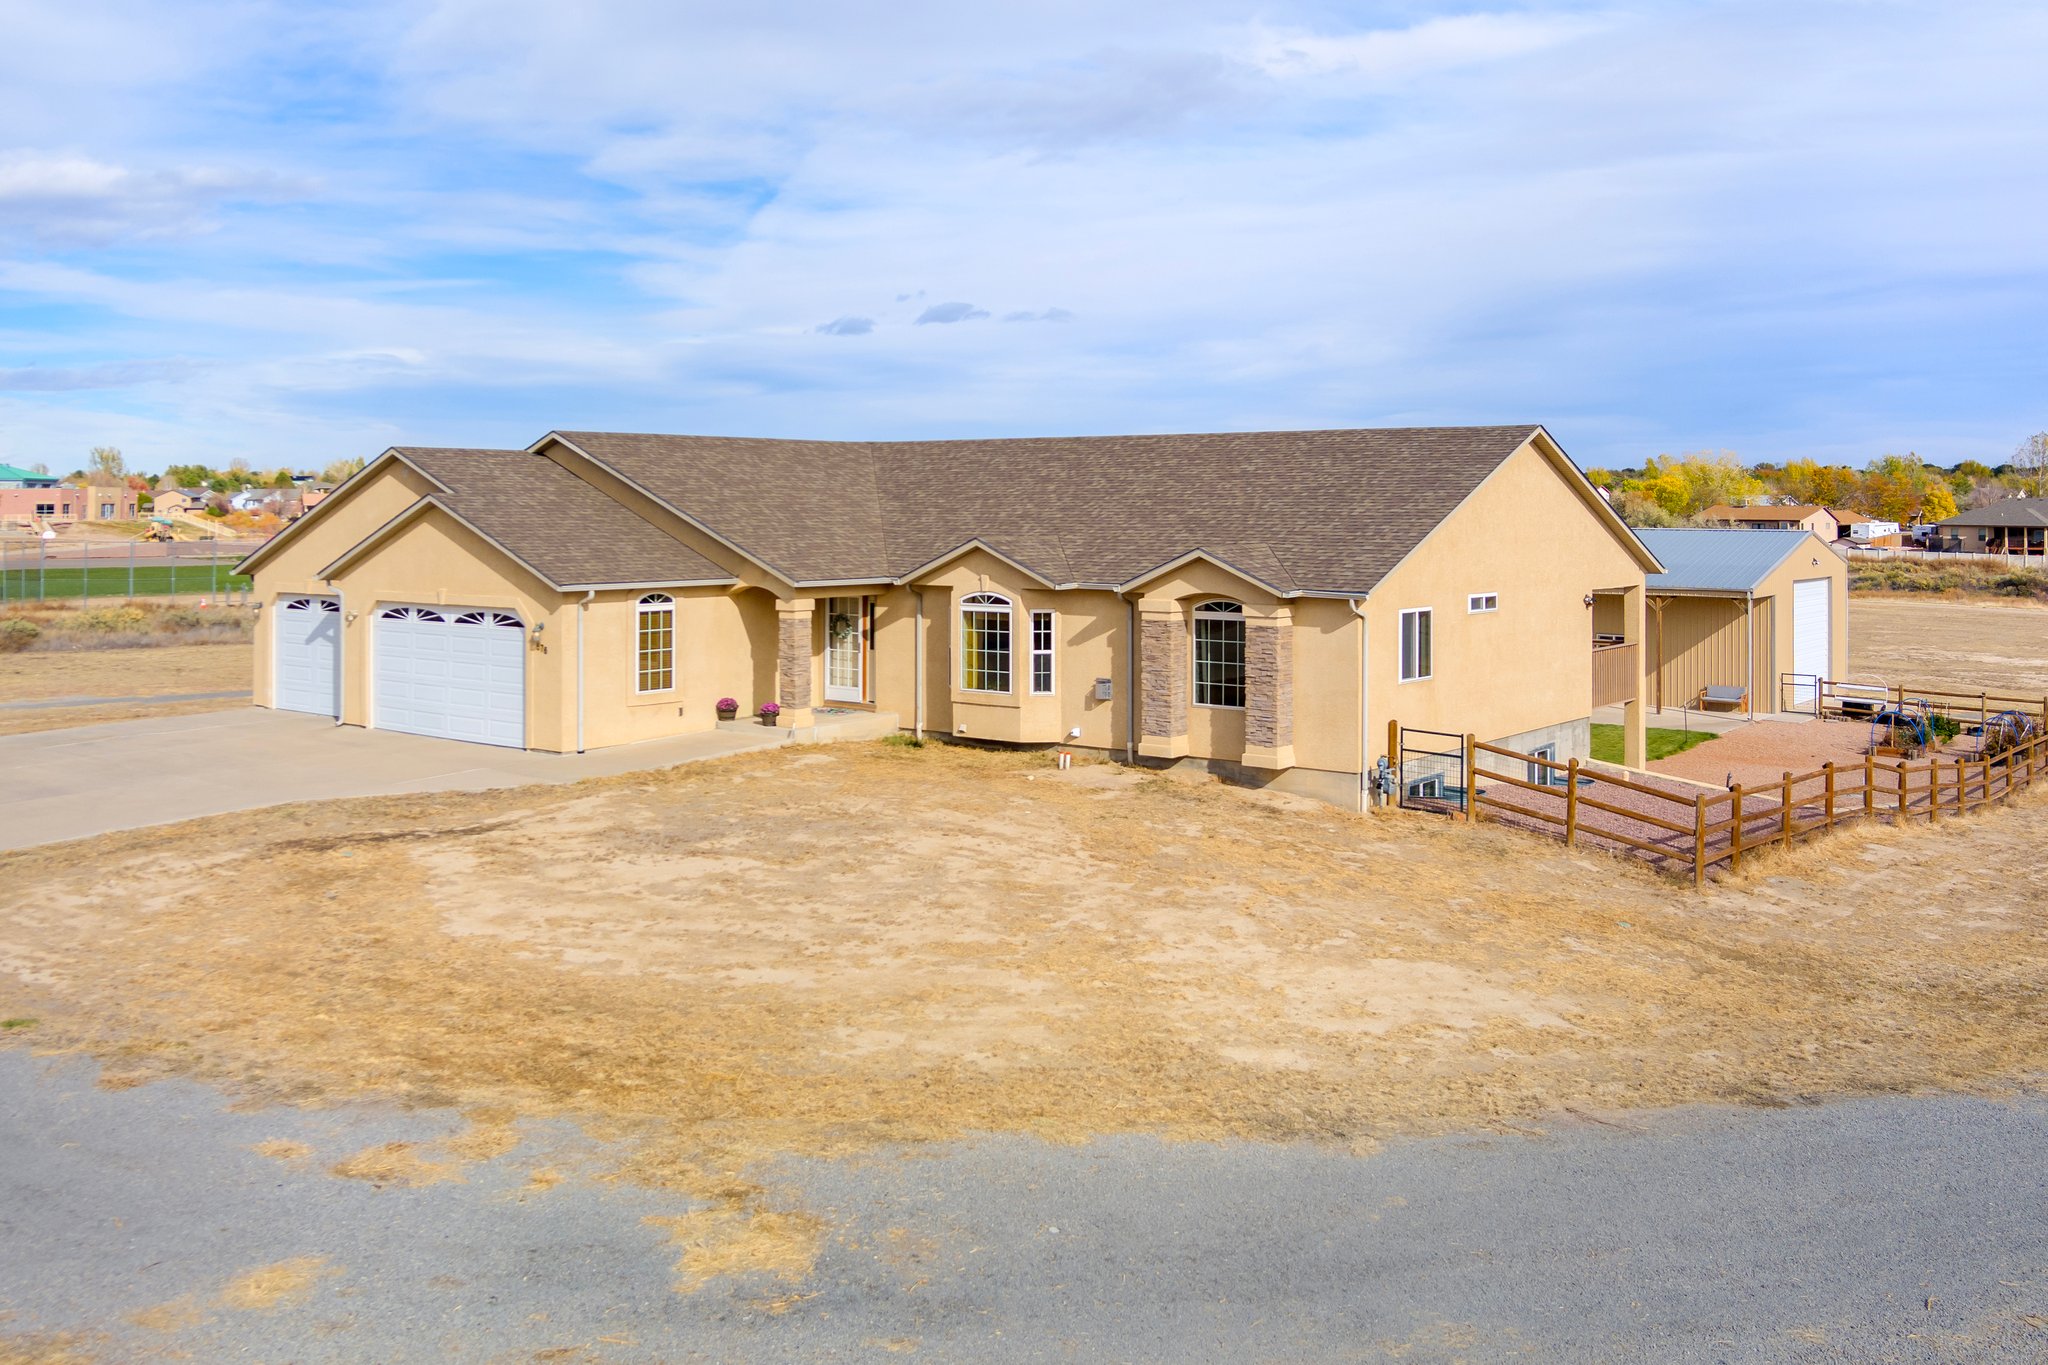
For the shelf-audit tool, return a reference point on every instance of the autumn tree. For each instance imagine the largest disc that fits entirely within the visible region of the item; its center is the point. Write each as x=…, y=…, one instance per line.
x=340, y=470
x=1688, y=484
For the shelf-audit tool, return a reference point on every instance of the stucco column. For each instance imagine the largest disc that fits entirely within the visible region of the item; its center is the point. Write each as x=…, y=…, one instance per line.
x=1163, y=675
x=1634, y=739
x=1269, y=687
x=794, y=617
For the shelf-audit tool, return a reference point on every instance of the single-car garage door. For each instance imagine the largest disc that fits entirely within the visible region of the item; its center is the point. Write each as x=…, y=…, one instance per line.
x=451, y=672
x=1813, y=631
x=308, y=675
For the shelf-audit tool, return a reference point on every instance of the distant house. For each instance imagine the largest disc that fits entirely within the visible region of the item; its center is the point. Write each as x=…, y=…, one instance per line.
x=1746, y=613
x=13, y=476
x=1785, y=517
x=45, y=501
x=1864, y=529
x=180, y=500
x=2017, y=526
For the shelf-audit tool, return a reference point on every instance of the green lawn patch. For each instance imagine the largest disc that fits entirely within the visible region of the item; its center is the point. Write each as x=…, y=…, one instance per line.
x=1607, y=742
x=198, y=578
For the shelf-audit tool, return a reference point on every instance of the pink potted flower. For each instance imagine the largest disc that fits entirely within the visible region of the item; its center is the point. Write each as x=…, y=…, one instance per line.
x=727, y=708
x=769, y=711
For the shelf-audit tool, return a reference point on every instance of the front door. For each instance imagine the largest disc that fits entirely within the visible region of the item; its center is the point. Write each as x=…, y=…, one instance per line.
x=846, y=649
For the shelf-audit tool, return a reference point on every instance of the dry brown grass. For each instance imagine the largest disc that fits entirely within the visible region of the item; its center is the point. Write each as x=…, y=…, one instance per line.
x=282, y=1149
x=1999, y=647
x=286, y=1284
x=166, y=671
x=823, y=952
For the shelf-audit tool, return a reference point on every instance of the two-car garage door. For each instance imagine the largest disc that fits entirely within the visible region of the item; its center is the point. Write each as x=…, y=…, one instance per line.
x=451, y=672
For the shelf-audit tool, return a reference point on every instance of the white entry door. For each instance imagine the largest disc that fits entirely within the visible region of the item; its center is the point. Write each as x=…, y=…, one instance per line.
x=845, y=649
x=451, y=672
x=1813, y=633
x=308, y=671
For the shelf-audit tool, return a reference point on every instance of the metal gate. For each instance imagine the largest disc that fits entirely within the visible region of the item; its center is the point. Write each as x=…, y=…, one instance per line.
x=1430, y=772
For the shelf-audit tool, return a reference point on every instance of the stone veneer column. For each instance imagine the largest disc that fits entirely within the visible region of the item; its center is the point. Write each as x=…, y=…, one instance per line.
x=1269, y=688
x=1163, y=675
x=794, y=624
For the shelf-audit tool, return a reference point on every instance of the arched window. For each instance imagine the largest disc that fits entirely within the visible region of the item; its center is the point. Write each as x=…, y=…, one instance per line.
x=1219, y=654
x=984, y=643
x=656, y=639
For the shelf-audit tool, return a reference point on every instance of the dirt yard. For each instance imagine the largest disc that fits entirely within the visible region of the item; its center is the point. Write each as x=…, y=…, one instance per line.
x=826, y=951
x=1992, y=646
x=167, y=670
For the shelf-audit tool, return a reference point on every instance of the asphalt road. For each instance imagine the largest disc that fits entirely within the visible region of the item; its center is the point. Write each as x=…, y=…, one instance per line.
x=1897, y=1229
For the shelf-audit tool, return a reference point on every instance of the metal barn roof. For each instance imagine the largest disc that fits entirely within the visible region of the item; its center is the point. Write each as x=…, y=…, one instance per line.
x=1717, y=560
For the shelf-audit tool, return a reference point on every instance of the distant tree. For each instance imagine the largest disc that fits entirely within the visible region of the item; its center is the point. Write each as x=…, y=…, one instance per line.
x=2030, y=462
x=219, y=483
x=340, y=470
x=39, y=468
x=188, y=476
x=1938, y=503
x=1975, y=470
x=281, y=479
x=1638, y=508
x=1688, y=484
x=1903, y=488
x=105, y=466
x=239, y=471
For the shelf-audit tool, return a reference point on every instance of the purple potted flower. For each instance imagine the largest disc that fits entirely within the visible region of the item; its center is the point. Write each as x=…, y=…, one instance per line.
x=769, y=711
x=727, y=708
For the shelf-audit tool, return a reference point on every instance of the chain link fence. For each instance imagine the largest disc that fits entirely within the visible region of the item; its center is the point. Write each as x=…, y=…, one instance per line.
x=38, y=571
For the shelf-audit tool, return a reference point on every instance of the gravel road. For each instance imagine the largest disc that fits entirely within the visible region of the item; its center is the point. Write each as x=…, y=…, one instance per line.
x=1895, y=1229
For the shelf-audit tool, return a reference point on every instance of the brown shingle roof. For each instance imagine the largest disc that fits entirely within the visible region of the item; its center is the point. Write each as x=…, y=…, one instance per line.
x=565, y=529
x=1329, y=511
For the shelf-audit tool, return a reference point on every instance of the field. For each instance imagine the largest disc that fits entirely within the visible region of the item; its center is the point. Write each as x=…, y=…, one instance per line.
x=188, y=578
x=160, y=671
x=826, y=951
x=1993, y=646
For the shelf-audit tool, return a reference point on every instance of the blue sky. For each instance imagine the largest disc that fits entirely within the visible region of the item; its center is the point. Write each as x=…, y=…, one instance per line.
x=293, y=232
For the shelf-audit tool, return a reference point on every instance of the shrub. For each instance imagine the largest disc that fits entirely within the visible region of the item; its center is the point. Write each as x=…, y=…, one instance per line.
x=1945, y=728
x=902, y=741
x=181, y=618
x=110, y=618
x=17, y=634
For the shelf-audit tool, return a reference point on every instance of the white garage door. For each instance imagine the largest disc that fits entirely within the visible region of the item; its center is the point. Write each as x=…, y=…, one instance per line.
x=451, y=672
x=308, y=675
x=1812, y=631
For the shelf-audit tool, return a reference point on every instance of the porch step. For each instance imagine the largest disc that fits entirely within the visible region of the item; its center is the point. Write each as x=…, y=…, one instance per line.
x=746, y=727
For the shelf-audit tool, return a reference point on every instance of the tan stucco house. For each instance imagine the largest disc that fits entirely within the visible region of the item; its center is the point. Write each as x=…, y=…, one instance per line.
x=1756, y=616
x=1775, y=517
x=1262, y=604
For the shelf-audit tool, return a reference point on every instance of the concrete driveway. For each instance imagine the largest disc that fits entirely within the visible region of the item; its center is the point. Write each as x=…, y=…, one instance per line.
x=73, y=784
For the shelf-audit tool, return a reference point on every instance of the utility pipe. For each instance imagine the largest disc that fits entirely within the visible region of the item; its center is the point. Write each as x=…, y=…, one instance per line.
x=582, y=623
x=1364, y=729
x=340, y=659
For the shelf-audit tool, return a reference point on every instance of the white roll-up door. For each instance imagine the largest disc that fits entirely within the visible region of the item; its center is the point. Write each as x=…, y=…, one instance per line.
x=308, y=663
x=1813, y=633
x=451, y=672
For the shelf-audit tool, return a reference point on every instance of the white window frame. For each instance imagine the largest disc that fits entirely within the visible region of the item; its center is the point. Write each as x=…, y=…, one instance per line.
x=661, y=608
x=1043, y=654
x=1425, y=640
x=1482, y=602
x=1542, y=776
x=1230, y=613
x=991, y=605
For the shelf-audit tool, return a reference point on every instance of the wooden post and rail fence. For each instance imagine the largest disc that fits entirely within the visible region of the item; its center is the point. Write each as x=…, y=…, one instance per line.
x=1691, y=833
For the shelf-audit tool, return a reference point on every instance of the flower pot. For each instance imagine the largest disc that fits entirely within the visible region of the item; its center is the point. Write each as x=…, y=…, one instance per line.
x=728, y=712
x=768, y=721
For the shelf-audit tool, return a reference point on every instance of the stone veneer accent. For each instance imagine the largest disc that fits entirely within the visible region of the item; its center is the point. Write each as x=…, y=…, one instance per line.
x=793, y=654
x=1163, y=657
x=1269, y=684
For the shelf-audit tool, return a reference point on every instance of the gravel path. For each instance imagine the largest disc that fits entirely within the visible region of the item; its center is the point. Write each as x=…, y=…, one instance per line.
x=141, y=1224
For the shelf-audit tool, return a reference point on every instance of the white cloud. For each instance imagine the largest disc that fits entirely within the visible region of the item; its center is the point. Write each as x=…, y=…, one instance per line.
x=1391, y=55
x=64, y=198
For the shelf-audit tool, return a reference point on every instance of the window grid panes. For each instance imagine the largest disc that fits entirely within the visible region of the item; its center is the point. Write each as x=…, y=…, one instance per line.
x=984, y=643
x=1041, y=653
x=1415, y=664
x=1483, y=601
x=1219, y=654
x=657, y=641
